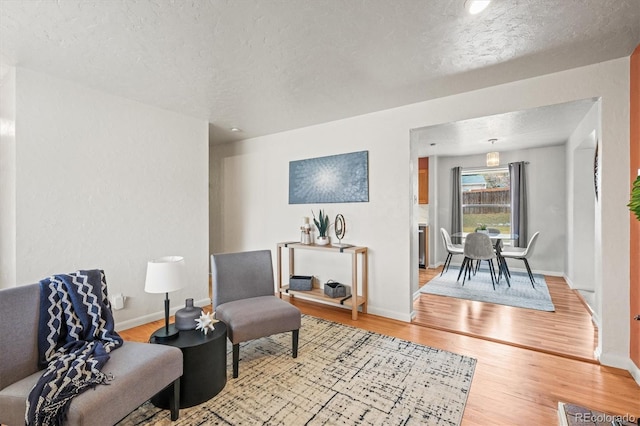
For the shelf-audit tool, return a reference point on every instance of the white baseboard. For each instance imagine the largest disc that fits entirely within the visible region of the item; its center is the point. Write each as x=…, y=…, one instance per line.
x=613, y=360
x=389, y=314
x=596, y=319
x=597, y=352
x=568, y=280
x=416, y=295
x=635, y=372
x=145, y=319
x=370, y=309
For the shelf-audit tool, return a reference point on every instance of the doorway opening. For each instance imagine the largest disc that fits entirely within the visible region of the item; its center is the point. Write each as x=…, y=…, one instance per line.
x=570, y=331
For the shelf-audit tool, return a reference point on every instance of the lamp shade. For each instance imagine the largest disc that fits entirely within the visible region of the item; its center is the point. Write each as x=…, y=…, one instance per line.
x=493, y=159
x=165, y=274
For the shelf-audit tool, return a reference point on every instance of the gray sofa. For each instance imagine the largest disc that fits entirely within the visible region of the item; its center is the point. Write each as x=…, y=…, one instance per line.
x=140, y=370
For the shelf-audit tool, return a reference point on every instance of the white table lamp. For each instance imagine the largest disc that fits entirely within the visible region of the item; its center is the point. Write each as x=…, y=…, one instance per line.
x=163, y=276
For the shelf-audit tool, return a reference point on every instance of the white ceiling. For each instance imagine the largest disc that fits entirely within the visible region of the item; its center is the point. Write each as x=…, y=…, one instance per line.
x=536, y=127
x=267, y=66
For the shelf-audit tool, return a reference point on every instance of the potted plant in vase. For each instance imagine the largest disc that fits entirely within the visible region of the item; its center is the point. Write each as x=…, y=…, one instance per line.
x=322, y=223
x=482, y=228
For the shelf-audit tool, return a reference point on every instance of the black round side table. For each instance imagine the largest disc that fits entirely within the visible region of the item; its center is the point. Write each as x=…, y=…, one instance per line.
x=205, y=365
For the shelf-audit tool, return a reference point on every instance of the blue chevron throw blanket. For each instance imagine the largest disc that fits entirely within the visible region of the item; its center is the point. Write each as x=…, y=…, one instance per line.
x=76, y=333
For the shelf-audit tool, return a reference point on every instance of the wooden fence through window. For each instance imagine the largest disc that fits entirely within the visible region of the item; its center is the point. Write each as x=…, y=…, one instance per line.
x=490, y=200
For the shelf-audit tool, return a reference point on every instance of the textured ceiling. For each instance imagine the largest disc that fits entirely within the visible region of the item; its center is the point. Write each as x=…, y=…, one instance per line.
x=536, y=127
x=271, y=65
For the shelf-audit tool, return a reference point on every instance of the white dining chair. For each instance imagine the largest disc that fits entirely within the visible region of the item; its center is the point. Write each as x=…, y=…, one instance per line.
x=522, y=254
x=451, y=249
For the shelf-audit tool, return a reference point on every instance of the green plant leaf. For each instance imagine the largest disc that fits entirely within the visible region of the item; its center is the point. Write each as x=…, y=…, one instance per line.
x=322, y=222
x=634, y=202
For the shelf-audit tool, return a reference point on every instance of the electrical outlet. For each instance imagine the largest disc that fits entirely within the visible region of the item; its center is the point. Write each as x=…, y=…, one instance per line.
x=117, y=301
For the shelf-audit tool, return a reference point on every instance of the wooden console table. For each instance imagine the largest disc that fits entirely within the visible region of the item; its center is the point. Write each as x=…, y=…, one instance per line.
x=318, y=293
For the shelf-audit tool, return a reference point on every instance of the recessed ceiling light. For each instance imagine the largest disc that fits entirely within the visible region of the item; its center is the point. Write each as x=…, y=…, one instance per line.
x=235, y=129
x=476, y=6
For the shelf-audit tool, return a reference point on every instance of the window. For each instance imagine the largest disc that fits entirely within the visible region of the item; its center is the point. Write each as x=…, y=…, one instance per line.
x=486, y=199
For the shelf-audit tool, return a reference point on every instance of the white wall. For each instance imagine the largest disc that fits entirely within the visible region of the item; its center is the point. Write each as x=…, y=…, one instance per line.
x=7, y=177
x=581, y=202
x=546, y=183
x=252, y=209
x=105, y=182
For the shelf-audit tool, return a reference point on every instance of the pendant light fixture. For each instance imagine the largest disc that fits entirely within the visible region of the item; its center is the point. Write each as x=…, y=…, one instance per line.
x=493, y=158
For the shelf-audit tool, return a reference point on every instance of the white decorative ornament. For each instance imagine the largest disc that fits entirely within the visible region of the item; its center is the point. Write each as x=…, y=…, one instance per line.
x=205, y=322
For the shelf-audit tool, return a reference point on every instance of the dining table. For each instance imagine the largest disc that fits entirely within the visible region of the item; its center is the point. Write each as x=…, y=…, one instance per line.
x=496, y=239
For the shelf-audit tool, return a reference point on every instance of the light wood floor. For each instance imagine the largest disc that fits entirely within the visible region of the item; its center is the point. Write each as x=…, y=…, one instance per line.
x=511, y=385
x=568, y=331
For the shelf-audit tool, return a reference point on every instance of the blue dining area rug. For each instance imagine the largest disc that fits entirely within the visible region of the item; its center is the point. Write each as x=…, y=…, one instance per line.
x=521, y=294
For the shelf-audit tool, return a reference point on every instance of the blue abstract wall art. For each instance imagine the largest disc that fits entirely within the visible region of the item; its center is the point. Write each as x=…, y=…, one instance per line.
x=342, y=178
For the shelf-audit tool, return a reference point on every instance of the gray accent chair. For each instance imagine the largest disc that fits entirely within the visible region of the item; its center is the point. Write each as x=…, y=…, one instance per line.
x=140, y=370
x=243, y=298
x=478, y=247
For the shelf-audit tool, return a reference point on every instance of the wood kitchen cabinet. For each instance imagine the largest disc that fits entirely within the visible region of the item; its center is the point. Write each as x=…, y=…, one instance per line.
x=423, y=180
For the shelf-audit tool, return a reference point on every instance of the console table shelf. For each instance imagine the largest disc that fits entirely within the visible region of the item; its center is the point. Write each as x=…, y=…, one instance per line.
x=318, y=293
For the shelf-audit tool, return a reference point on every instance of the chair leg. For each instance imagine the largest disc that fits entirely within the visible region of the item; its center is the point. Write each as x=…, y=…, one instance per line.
x=492, y=272
x=445, y=267
x=236, y=359
x=526, y=263
x=503, y=270
x=464, y=262
x=468, y=266
x=294, y=342
x=174, y=400
x=507, y=275
x=464, y=270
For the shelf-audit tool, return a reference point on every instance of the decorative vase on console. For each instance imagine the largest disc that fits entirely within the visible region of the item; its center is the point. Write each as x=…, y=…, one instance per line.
x=187, y=316
x=305, y=232
x=322, y=223
x=323, y=241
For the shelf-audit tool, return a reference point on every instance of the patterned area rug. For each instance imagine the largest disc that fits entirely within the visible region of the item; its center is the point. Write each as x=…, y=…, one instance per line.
x=342, y=376
x=521, y=294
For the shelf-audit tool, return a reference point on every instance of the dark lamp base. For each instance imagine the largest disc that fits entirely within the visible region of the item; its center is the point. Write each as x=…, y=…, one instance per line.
x=162, y=335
